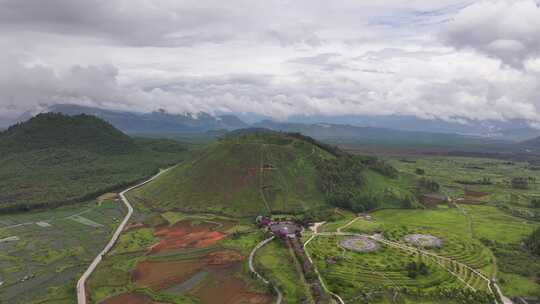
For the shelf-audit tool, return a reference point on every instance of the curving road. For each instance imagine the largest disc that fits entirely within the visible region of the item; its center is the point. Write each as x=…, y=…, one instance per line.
x=81, y=284
x=252, y=268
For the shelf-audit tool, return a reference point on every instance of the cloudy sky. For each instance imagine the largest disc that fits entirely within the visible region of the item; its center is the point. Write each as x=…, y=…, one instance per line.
x=446, y=59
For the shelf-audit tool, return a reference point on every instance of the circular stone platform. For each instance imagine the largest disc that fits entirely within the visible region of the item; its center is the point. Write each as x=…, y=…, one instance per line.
x=359, y=244
x=423, y=240
x=285, y=228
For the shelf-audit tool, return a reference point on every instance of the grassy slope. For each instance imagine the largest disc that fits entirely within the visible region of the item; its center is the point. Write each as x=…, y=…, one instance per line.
x=54, y=159
x=227, y=179
x=391, y=191
x=63, y=175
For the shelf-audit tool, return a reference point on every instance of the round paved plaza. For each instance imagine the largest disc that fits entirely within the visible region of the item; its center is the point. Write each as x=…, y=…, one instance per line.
x=359, y=244
x=423, y=240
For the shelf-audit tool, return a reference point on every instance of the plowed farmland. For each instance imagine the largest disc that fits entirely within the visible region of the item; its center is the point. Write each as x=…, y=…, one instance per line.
x=192, y=260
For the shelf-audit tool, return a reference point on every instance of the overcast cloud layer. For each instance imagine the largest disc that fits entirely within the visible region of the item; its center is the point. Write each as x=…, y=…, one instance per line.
x=445, y=59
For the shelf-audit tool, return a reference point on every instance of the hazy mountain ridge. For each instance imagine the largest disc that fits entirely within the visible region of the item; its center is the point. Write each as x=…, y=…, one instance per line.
x=161, y=122
x=515, y=129
x=373, y=135
x=158, y=122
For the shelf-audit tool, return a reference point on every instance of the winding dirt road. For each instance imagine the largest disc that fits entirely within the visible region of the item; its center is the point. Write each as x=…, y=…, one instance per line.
x=81, y=284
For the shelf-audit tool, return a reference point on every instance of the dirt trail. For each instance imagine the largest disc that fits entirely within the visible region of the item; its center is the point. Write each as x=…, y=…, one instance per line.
x=261, y=181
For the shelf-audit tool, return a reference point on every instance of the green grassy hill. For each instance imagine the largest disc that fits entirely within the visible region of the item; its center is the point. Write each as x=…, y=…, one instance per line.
x=54, y=159
x=247, y=174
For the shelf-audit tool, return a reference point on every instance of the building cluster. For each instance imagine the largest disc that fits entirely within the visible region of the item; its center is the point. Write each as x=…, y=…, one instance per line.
x=281, y=229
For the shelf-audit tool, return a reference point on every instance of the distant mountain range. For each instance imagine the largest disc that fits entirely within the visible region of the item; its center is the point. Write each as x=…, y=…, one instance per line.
x=513, y=130
x=376, y=130
x=348, y=134
x=158, y=122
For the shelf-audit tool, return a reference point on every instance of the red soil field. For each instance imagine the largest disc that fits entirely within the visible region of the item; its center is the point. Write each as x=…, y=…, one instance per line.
x=222, y=285
x=223, y=257
x=230, y=290
x=131, y=298
x=185, y=235
x=161, y=275
x=475, y=194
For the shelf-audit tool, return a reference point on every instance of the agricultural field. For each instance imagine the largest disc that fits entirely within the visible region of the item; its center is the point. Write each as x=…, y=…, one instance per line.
x=180, y=258
x=43, y=253
x=491, y=176
x=474, y=241
x=490, y=230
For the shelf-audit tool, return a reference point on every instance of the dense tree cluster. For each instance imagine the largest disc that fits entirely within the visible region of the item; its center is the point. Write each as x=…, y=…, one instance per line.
x=414, y=269
x=533, y=242
x=341, y=179
x=482, y=181
x=429, y=185
x=520, y=183
x=325, y=147
x=384, y=168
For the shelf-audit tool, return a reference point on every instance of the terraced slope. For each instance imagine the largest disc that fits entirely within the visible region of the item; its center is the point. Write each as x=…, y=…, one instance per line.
x=242, y=176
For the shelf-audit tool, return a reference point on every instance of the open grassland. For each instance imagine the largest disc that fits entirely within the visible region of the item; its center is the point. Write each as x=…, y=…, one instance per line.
x=489, y=222
x=51, y=250
x=180, y=259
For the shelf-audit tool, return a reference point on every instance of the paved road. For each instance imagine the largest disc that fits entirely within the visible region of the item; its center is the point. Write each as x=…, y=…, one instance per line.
x=81, y=288
x=252, y=268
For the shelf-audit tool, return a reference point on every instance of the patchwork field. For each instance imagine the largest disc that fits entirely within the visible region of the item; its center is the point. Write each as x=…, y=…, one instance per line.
x=491, y=176
x=42, y=254
x=188, y=259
